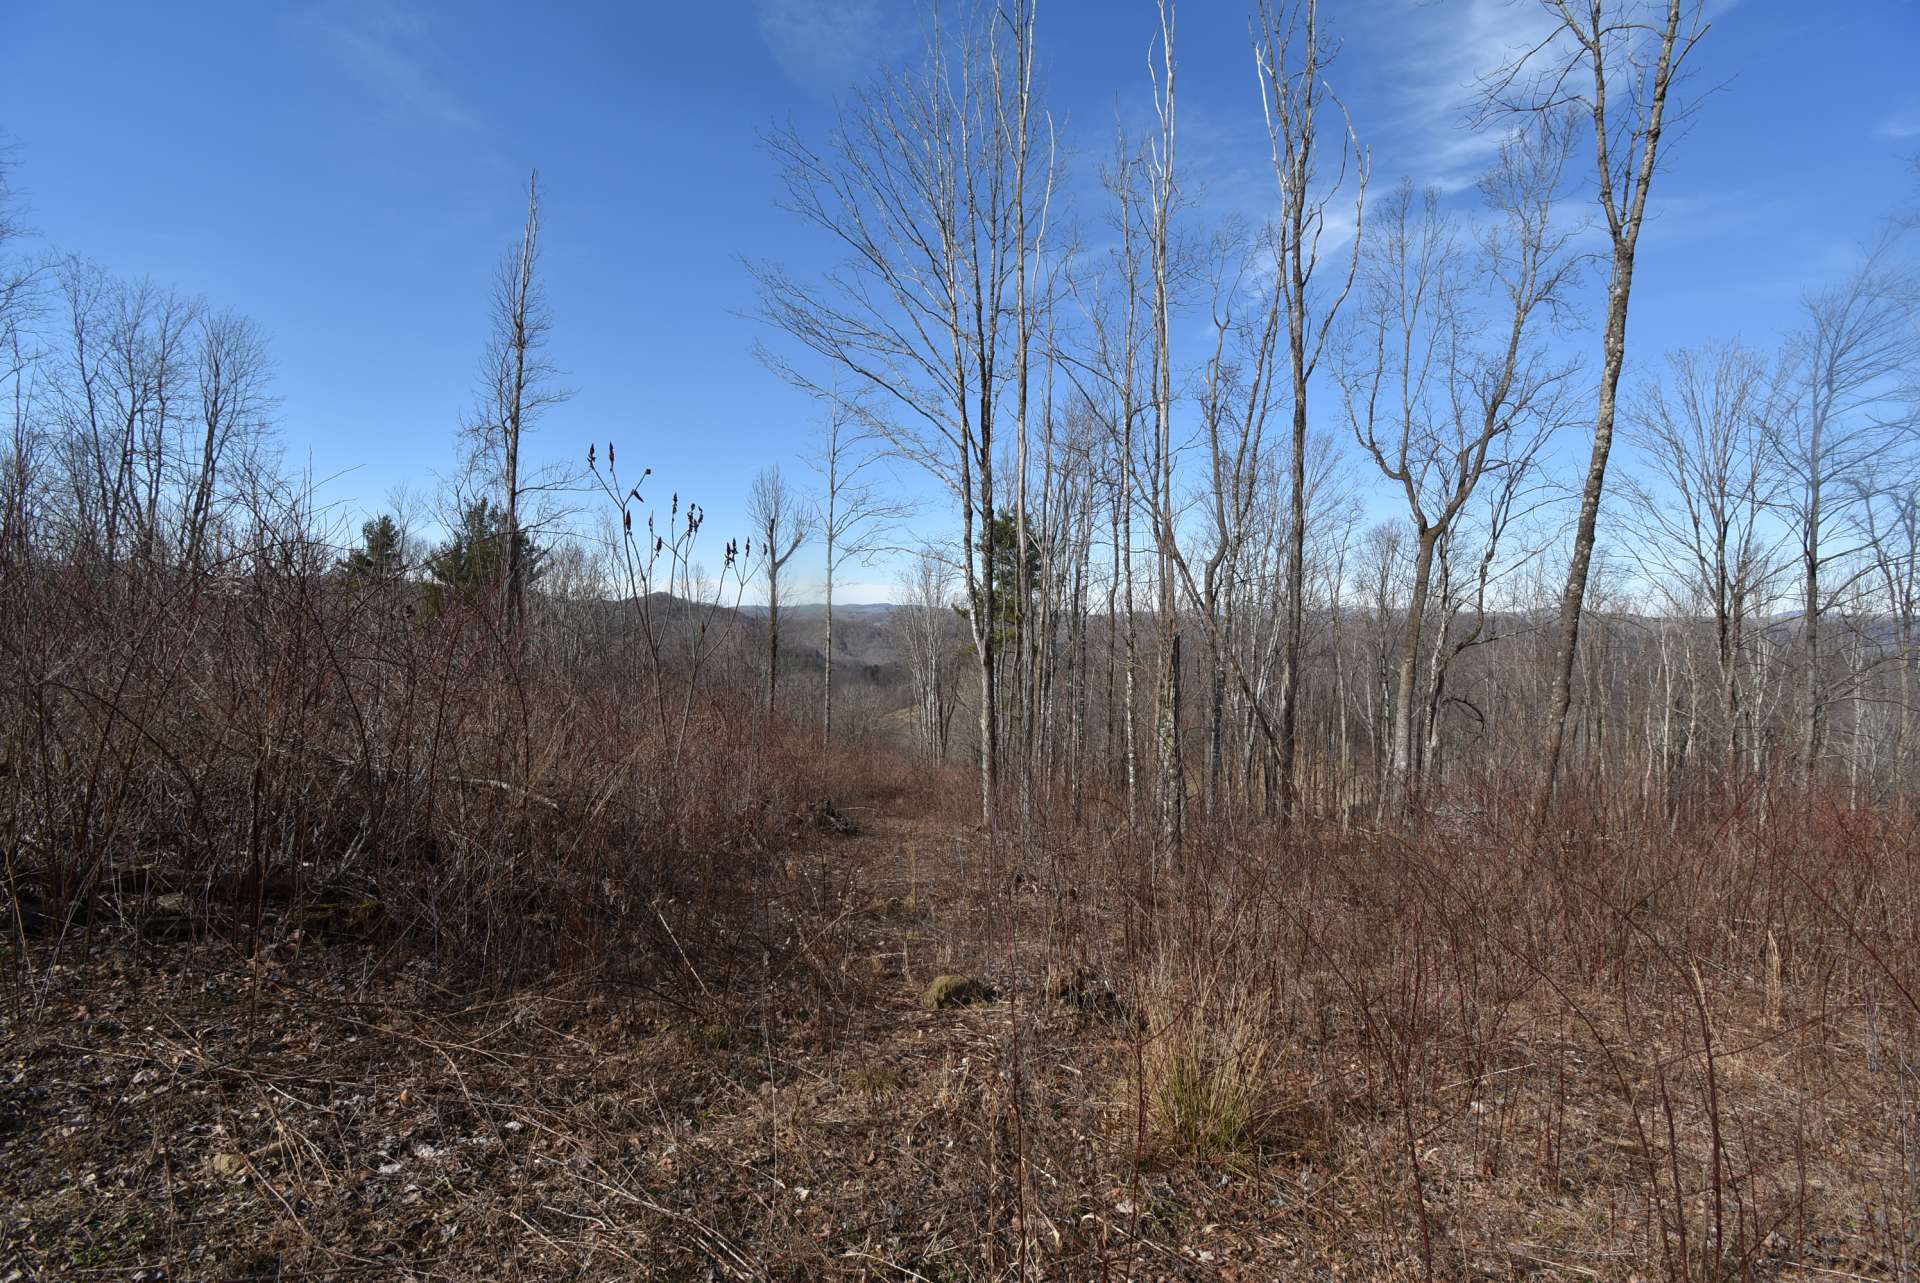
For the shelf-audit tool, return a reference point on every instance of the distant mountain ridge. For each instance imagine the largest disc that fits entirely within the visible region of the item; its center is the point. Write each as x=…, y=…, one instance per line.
x=818, y=609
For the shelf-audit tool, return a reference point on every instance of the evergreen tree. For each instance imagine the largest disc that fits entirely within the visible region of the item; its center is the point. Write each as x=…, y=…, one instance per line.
x=380, y=555
x=1008, y=610
x=474, y=558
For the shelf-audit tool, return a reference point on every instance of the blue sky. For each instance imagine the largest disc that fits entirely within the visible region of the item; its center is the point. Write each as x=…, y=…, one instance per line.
x=349, y=172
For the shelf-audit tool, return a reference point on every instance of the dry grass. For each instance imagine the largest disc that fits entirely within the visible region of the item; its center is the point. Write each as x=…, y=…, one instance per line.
x=1211, y=1067
x=1685, y=1057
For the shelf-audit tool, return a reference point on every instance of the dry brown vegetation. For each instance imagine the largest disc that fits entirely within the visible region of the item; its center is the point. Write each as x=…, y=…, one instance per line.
x=346, y=945
x=521, y=908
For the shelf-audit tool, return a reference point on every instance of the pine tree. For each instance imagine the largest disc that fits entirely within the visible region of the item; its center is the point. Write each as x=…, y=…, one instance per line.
x=998, y=543
x=380, y=555
x=474, y=558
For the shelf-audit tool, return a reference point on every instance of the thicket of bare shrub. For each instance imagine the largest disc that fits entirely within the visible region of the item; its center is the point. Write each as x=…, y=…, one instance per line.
x=1691, y=1051
x=1689, y=1044
x=292, y=748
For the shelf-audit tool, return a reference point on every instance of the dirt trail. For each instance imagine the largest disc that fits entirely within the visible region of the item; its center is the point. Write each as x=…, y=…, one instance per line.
x=174, y=1113
x=170, y=1111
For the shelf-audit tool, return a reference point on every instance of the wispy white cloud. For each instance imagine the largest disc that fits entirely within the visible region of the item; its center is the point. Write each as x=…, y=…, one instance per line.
x=1901, y=124
x=389, y=47
x=1438, y=56
x=825, y=45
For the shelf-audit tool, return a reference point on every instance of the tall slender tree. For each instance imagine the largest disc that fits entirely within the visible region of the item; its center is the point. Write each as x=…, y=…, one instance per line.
x=1291, y=53
x=782, y=525
x=857, y=515
x=929, y=183
x=1615, y=62
x=1163, y=195
x=516, y=387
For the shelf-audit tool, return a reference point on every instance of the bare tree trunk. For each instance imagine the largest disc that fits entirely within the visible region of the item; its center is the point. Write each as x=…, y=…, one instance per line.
x=1291, y=63
x=1591, y=28
x=1173, y=781
x=773, y=638
x=1401, y=764
x=1132, y=651
x=826, y=677
x=1217, y=716
x=1023, y=591
x=520, y=340
x=1573, y=597
x=1813, y=702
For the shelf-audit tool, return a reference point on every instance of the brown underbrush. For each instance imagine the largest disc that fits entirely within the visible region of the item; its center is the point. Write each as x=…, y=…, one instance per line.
x=350, y=938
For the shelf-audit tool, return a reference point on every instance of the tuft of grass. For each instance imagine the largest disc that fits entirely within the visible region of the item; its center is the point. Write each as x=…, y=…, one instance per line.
x=878, y=1080
x=711, y=1037
x=1211, y=1073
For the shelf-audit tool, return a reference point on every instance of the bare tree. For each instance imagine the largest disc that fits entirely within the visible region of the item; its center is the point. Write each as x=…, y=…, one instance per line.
x=1236, y=403
x=146, y=375
x=923, y=624
x=82, y=419
x=1291, y=53
x=1890, y=507
x=1163, y=194
x=1701, y=507
x=16, y=277
x=1467, y=617
x=782, y=525
x=19, y=301
x=1031, y=309
x=1113, y=292
x=121, y=379
x=232, y=371
x=1848, y=400
x=857, y=515
x=1616, y=62
x=927, y=184
x=516, y=387
x=1434, y=407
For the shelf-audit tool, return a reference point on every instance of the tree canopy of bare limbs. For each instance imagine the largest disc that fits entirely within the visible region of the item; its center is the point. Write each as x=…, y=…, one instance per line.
x=1846, y=406
x=18, y=302
x=935, y=183
x=141, y=402
x=1439, y=396
x=1291, y=53
x=1701, y=505
x=1614, y=62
